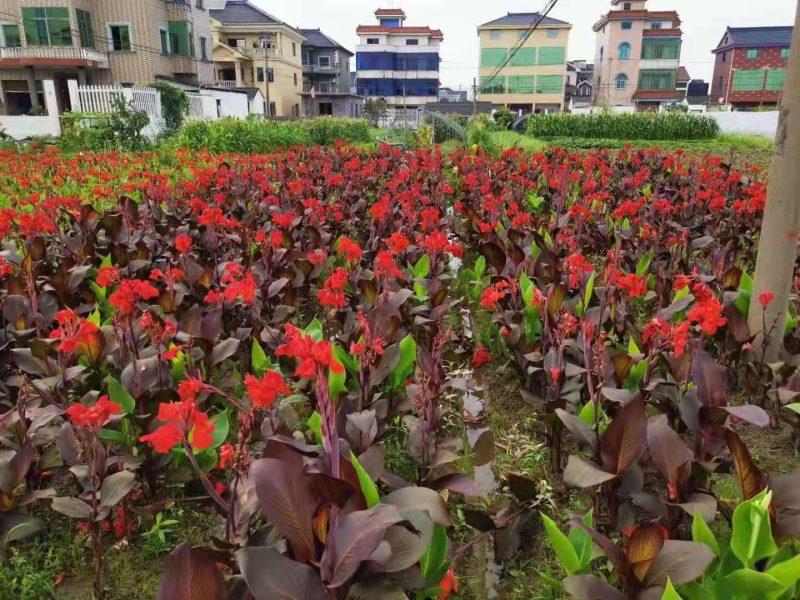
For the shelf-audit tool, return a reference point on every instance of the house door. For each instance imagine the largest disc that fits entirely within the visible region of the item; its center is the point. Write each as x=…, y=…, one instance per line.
x=326, y=109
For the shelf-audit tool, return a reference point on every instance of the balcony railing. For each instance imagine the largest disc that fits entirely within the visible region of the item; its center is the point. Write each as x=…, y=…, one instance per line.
x=261, y=52
x=317, y=68
x=329, y=90
x=225, y=83
x=55, y=53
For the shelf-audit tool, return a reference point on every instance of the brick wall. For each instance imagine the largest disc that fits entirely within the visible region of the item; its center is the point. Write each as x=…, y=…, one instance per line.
x=768, y=58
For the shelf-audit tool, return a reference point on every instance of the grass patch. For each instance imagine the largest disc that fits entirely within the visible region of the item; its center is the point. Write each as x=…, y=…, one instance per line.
x=511, y=139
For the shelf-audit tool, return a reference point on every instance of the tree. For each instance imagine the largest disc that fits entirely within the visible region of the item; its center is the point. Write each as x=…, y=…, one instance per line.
x=375, y=110
x=777, y=247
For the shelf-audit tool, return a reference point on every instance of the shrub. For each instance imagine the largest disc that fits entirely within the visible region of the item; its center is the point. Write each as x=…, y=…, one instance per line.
x=120, y=129
x=504, y=117
x=638, y=126
x=258, y=136
x=174, y=105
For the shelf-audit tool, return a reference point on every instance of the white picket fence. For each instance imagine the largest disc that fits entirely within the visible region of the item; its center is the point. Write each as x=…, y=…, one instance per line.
x=100, y=98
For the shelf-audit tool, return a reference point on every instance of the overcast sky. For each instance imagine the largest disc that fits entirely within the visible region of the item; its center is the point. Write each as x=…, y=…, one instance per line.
x=704, y=22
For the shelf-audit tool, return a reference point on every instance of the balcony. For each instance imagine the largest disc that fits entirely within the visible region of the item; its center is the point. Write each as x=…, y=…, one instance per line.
x=329, y=89
x=226, y=83
x=317, y=68
x=178, y=8
x=256, y=53
x=53, y=56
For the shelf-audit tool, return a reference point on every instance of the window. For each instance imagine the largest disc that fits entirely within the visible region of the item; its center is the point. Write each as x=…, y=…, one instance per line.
x=260, y=75
x=47, y=26
x=373, y=41
x=523, y=33
x=748, y=81
x=199, y=4
x=656, y=25
x=494, y=34
x=164, y=37
x=119, y=37
x=552, y=33
x=236, y=43
x=621, y=81
x=493, y=57
x=657, y=79
x=722, y=84
x=180, y=38
x=273, y=109
x=784, y=53
x=9, y=36
x=552, y=56
x=752, y=53
x=412, y=42
x=775, y=80
x=602, y=52
x=85, y=28
x=204, y=49
x=525, y=57
x=661, y=49
x=549, y=84
x=493, y=85
x=324, y=62
x=294, y=49
x=521, y=84
x=725, y=56
x=295, y=79
x=624, y=51
x=626, y=6
x=627, y=25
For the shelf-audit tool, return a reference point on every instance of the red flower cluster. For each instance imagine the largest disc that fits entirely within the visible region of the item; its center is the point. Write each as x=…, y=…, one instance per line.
x=349, y=249
x=107, y=276
x=264, y=391
x=493, y=294
x=630, y=284
x=93, y=417
x=312, y=356
x=765, y=299
x=481, y=357
x=398, y=243
x=182, y=420
x=237, y=286
x=76, y=334
x=183, y=243
x=332, y=294
x=386, y=267
x=576, y=265
x=129, y=292
x=708, y=314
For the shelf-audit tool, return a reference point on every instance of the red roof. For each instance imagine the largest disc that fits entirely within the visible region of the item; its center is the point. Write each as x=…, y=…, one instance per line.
x=436, y=33
x=621, y=15
x=683, y=74
x=656, y=95
x=677, y=32
x=390, y=12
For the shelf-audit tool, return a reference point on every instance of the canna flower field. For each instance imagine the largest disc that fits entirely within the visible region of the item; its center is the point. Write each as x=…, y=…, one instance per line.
x=312, y=348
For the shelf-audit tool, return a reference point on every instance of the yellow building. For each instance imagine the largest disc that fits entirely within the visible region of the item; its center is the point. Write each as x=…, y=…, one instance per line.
x=252, y=48
x=533, y=80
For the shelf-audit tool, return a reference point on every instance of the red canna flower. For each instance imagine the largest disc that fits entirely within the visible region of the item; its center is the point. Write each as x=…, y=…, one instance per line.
x=183, y=243
x=107, y=276
x=226, y=456
x=398, y=243
x=448, y=585
x=349, y=249
x=481, y=357
x=312, y=356
x=765, y=299
x=163, y=439
x=632, y=285
x=493, y=294
x=93, y=417
x=707, y=314
x=182, y=419
x=576, y=265
x=129, y=292
x=386, y=267
x=264, y=391
x=332, y=294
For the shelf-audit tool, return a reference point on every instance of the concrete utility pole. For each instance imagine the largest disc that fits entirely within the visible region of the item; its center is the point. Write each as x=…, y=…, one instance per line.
x=265, y=44
x=474, y=97
x=777, y=246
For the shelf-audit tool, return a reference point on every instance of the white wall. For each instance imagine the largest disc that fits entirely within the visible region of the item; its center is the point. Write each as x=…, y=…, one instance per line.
x=749, y=123
x=23, y=127
x=231, y=104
